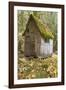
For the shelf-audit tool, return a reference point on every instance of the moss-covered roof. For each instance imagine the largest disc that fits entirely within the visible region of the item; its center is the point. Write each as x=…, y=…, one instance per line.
x=43, y=29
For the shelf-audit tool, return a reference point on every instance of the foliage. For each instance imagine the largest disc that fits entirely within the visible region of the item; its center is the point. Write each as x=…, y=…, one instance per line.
x=30, y=68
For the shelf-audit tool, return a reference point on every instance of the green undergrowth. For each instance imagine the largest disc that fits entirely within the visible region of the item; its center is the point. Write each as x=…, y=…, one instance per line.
x=37, y=68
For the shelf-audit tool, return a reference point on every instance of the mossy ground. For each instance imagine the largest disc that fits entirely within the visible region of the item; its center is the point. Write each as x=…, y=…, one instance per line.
x=37, y=68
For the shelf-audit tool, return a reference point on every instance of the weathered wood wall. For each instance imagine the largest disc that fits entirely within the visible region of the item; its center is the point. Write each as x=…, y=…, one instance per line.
x=46, y=48
x=30, y=40
x=35, y=44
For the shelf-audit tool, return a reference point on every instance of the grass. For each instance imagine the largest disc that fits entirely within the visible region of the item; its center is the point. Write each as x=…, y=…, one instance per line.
x=37, y=68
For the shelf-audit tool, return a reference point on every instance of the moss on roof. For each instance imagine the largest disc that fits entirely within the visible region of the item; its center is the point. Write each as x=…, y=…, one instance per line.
x=45, y=33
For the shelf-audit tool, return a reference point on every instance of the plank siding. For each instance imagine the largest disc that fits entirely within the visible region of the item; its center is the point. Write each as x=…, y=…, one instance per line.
x=46, y=48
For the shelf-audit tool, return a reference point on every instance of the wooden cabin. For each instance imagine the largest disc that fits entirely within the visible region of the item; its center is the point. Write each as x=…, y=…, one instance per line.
x=38, y=40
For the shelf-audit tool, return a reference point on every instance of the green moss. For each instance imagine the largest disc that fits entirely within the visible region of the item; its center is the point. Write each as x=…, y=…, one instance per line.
x=42, y=28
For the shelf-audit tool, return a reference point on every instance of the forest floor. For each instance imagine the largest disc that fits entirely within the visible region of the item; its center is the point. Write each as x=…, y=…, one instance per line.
x=37, y=68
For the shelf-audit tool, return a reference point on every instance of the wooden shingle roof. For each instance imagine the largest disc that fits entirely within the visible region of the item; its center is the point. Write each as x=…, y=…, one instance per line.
x=45, y=33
